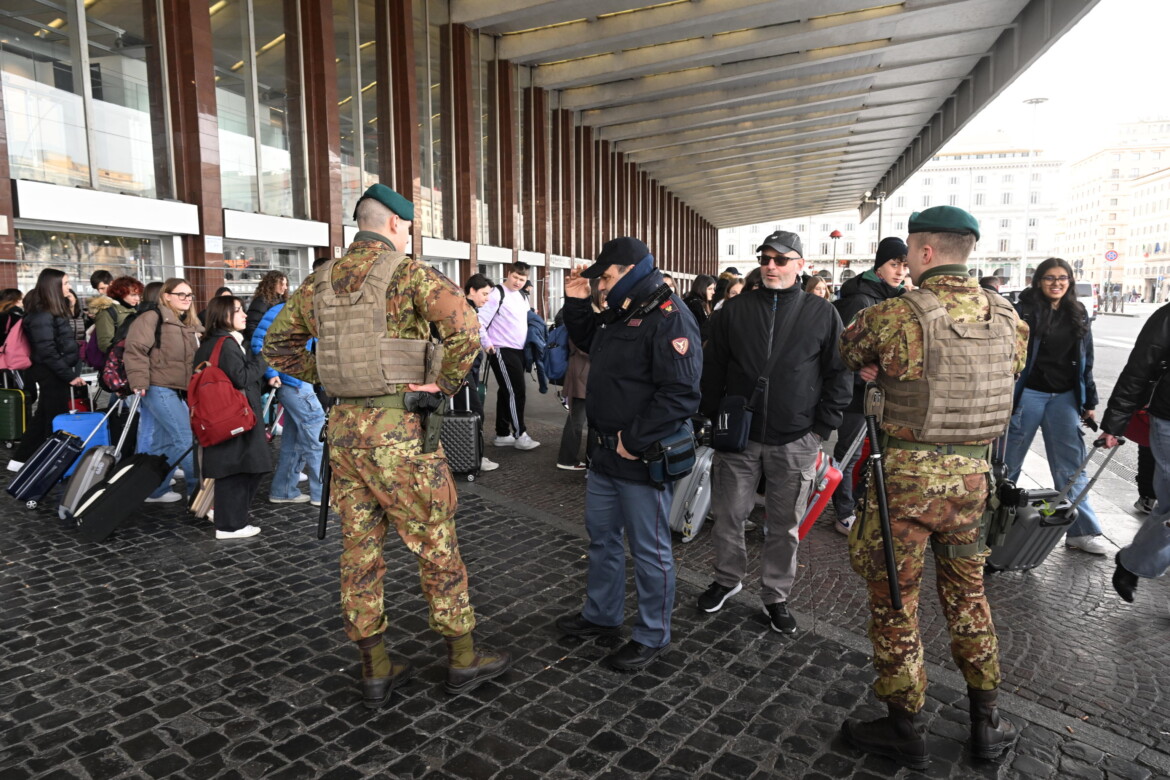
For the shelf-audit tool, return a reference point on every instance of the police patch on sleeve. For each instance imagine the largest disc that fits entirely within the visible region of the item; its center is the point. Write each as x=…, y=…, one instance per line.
x=681, y=345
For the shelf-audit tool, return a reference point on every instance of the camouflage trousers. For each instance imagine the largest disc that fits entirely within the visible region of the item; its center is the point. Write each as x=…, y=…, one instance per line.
x=373, y=489
x=923, y=506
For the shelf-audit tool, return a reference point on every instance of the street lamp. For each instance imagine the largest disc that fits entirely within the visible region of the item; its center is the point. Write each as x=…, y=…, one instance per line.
x=836, y=236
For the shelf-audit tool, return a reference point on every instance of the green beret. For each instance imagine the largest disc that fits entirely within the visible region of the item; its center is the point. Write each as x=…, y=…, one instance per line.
x=944, y=219
x=390, y=199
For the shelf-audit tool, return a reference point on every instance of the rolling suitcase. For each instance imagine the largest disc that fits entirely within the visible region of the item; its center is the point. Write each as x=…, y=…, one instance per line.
x=110, y=502
x=692, y=496
x=828, y=477
x=1038, y=519
x=45, y=468
x=94, y=464
x=79, y=400
x=84, y=425
x=13, y=414
x=462, y=438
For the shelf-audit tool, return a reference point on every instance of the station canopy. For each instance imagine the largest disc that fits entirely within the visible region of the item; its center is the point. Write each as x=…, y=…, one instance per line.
x=757, y=110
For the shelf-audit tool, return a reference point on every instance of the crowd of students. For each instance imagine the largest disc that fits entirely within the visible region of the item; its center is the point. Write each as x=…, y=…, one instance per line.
x=163, y=341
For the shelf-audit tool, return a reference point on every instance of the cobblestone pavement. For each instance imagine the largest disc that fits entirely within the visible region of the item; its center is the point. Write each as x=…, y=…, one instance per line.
x=164, y=653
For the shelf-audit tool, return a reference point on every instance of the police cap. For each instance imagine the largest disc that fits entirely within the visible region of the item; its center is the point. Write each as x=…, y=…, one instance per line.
x=617, y=251
x=390, y=199
x=944, y=219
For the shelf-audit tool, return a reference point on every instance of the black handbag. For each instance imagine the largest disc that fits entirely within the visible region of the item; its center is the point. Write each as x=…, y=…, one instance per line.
x=733, y=423
x=671, y=458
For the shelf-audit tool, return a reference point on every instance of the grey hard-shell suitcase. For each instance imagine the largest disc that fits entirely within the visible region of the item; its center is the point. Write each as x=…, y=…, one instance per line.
x=1041, y=518
x=95, y=464
x=692, y=496
x=462, y=438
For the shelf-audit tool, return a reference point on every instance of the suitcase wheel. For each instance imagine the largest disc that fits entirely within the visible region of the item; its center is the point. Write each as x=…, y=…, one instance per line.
x=471, y=478
x=30, y=504
x=9, y=445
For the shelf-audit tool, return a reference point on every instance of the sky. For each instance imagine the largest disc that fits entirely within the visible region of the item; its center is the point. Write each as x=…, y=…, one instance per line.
x=1110, y=68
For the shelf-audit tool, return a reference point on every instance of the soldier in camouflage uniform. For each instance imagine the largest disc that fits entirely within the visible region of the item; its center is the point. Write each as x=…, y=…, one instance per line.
x=381, y=477
x=936, y=495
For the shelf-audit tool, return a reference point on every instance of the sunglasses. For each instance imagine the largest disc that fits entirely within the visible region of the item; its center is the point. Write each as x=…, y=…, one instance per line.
x=780, y=260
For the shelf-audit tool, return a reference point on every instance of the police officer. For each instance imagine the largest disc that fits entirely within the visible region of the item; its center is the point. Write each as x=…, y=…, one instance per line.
x=936, y=465
x=645, y=363
x=382, y=478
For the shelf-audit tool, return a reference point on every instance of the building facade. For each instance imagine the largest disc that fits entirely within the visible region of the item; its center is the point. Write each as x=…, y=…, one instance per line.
x=219, y=140
x=1015, y=194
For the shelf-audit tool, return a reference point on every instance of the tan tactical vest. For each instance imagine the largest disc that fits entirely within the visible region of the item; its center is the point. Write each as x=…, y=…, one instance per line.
x=355, y=356
x=968, y=374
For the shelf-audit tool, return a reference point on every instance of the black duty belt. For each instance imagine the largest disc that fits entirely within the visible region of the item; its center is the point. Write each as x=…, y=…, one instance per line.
x=607, y=441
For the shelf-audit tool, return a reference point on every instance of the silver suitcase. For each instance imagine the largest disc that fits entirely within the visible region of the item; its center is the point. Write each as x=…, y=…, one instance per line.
x=692, y=497
x=94, y=465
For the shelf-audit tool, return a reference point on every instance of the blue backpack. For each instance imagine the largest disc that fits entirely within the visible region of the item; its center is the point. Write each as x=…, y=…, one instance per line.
x=556, y=355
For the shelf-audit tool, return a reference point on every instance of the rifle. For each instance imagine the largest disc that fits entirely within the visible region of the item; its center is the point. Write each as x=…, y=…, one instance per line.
x=326, y=475
x=874, y=399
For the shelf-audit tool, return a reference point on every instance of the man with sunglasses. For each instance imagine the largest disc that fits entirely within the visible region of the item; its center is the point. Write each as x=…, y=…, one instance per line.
x=775, y=346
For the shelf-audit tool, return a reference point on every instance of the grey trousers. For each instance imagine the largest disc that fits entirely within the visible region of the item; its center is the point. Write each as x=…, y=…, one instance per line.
x=790, y=470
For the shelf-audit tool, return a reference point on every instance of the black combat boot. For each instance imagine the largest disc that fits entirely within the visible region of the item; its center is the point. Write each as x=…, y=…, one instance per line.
x=469, y=667
x=379, y=676
x=991, y=733
x=898, y=736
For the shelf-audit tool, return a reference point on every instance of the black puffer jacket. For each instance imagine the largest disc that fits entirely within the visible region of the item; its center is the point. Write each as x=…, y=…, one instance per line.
x=247, y=453
x=1140, y=380
x=809, y=386
x=859, y=293
x=53, y=344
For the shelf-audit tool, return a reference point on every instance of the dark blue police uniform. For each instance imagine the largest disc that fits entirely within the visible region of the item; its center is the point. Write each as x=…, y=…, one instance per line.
x=645, y=365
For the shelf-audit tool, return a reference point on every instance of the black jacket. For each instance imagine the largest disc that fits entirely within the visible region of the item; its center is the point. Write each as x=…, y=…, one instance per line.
x=247, y=453
x=643, y=376
x=1139, y=382
x=856, y=294
x=1029, y=310
x=53, y=344
x=809, y=386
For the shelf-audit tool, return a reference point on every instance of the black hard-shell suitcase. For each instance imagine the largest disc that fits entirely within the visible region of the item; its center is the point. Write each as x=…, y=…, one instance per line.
x=45, y=468
x=110, y=502
x=462, y=438
x=1041, y=519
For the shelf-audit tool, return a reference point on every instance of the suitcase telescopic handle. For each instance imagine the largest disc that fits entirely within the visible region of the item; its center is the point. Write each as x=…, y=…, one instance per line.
x=1084, y=465
x=126, y=428
x=105, y=418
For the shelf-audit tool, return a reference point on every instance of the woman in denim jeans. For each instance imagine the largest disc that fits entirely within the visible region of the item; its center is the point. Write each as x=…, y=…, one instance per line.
x=160, y=356
x=300, y=442
x=1056, y=391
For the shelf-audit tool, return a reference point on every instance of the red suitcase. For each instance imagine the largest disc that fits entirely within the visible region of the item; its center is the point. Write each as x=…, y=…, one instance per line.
x=826, y=481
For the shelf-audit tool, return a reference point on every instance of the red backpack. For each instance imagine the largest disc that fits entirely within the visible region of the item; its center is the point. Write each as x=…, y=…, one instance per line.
x=219, y=410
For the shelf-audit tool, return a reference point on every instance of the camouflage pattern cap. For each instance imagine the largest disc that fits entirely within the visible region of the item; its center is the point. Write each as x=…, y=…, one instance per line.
x=944, y=219
x=390, y=199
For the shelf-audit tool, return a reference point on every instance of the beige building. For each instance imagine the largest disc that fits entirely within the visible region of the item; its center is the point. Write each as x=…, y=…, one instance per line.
x=1146, y=265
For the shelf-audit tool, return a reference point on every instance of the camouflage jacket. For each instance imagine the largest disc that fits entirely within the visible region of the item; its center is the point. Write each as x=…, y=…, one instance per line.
x=418, y=298
x=889, y=335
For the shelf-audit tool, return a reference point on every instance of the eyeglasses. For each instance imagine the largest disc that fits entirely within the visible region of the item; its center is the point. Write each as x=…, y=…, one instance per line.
x=1053, y=279
x=183, y=296
x=780, y=260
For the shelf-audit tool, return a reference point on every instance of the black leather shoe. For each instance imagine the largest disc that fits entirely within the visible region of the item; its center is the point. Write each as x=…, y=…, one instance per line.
x=577, y=625
x=376, y=690
x=1125, y=582
x=634, y=656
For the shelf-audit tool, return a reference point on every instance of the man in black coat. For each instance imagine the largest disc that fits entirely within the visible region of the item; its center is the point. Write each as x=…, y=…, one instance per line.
x=883, y=281
x=797, y=400
x=645, y=362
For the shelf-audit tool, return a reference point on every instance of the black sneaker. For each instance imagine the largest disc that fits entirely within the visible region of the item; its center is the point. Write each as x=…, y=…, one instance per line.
x=780, y=618
x=713, y=598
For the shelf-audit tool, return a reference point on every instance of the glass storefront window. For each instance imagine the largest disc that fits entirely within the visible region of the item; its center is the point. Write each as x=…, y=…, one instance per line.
x=80, y=254
x=428, y=18
x=357, y=91
x=258, y=170
x=246, y=263
x=124, y=137
x=43, y=105
x=484, y=111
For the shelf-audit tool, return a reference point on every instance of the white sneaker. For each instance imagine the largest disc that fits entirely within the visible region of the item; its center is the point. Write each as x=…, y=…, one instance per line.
x=303, y=478
x=846, y=525
x=168, y=497
x=504, y=441
x=1094, y=545
x=211, y=515
x=749, y=526
x=179, y=474
x=1145, y=505
x=302, y=498
x=243, y=533
x=15, y=465
x=488, y=465
x=525, y=442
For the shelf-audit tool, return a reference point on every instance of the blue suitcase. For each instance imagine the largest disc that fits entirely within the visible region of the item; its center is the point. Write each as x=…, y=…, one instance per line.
x=86, y=426
x=45, y=468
